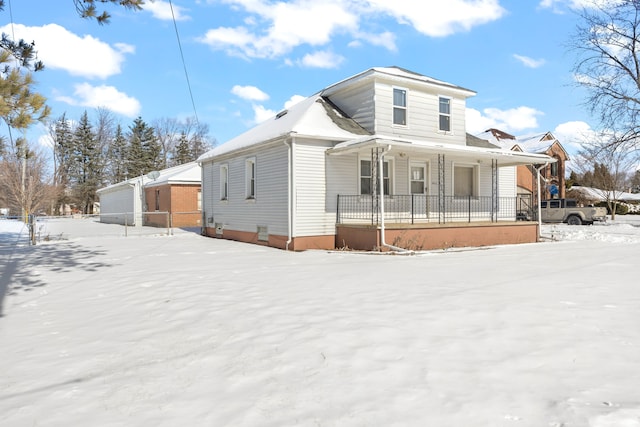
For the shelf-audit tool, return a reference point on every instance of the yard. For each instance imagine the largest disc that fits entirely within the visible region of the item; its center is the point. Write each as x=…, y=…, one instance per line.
x=98, y=329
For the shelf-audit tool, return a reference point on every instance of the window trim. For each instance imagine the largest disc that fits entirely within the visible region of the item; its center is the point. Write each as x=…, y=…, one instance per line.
x=390, y=161
x=475, y=175
x=404, y=107
x=441, y=114
x=224, y=182
x=250, y=177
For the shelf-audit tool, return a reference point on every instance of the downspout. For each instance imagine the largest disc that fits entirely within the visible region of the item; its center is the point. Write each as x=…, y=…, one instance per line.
x=203, y=214
x=290, y=191
x=539, y=199
x=381, y=187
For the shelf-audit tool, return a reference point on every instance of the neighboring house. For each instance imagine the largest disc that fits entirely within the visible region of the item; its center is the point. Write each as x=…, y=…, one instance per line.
x=170, y=197
x=552, y=174
x=175, y=196
x=379, y=160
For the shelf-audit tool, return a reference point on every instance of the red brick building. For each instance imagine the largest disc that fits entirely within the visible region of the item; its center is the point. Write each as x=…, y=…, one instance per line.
x=174, y=197
x=553, y=174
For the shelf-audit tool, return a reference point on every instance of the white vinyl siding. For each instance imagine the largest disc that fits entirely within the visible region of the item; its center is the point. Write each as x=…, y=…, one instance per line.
x=423, y=116
x=507, y=180
x=208, y=194
x=269, y=208
x=315, y=213
x=118, y=205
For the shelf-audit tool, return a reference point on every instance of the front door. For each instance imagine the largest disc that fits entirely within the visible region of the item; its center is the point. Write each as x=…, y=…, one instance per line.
x=419, y=188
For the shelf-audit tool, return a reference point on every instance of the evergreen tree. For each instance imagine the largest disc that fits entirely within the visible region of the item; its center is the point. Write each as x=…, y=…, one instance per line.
x=62, y=136
x=182, y=151
x=144, y=152
x=116, y=158
x=85, y=170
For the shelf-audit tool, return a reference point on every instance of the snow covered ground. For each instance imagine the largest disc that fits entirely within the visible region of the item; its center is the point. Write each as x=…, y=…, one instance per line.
x=154, y=330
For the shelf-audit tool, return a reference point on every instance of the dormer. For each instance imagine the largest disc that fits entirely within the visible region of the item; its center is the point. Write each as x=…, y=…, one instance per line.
x=393, y=101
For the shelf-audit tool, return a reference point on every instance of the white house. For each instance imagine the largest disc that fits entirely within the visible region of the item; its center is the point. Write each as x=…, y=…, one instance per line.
x=315, y=176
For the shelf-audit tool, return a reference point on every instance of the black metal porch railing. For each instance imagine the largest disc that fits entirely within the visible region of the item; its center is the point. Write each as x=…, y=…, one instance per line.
x=420, y=208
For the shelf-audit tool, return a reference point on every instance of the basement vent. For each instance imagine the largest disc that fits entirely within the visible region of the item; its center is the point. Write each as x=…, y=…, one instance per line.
x=263, y=233
x=219, y=228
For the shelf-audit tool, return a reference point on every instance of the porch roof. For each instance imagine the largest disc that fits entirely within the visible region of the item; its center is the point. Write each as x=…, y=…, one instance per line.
x=403, y=145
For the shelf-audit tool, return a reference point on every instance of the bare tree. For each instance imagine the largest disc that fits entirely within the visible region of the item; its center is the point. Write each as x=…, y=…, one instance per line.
x=30, y=191
x=607, y=47
x=173, y=134
x=607, y=166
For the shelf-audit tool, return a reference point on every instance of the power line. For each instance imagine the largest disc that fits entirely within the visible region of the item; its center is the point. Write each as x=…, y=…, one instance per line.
x=184, y=65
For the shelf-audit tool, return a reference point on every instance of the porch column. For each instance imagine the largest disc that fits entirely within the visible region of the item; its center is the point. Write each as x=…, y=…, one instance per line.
x=494, y=190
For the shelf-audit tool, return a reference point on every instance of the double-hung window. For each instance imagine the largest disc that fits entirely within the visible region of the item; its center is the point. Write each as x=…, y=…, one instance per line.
x=445, y=114
x=250, y=178
x=399, y=107
x=366, y=177
x=224, y=182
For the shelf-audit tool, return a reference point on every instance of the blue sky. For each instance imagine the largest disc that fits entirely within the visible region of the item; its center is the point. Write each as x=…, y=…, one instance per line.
x=248, y=59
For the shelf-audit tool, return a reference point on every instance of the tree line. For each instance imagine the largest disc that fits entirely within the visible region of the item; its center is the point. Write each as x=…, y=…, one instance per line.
x=90, y=154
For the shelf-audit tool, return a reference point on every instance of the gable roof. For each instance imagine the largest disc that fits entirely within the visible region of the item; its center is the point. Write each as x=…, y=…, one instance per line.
x=395, y=72
x=313, y=117
x=187, y=173
x=534, y=143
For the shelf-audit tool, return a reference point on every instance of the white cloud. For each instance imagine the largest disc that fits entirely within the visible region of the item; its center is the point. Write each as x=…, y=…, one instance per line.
x=529, y=62
x=511, y=120
x=260, y=113
x=287, y=25
x=250, y=93
x=294, y=100
x=574, y=134
x=274, y=29
x=575, y=4
x=442, y=18
x=58, y=49
x=104, y=96
x=321, y=59
x=162, y=10
x=386, y=40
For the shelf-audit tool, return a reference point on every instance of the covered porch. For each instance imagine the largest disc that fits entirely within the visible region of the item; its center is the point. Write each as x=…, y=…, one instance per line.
x=442, y=210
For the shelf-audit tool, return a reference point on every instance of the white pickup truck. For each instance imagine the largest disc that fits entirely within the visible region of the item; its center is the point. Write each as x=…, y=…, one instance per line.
x=567, y=210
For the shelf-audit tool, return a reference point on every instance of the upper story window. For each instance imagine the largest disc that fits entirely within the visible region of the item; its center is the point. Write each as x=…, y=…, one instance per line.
x=250, y=178
x=445, y=114
x=366, y=177
x=399, y=107
x=224, y=182
x=554, y=167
